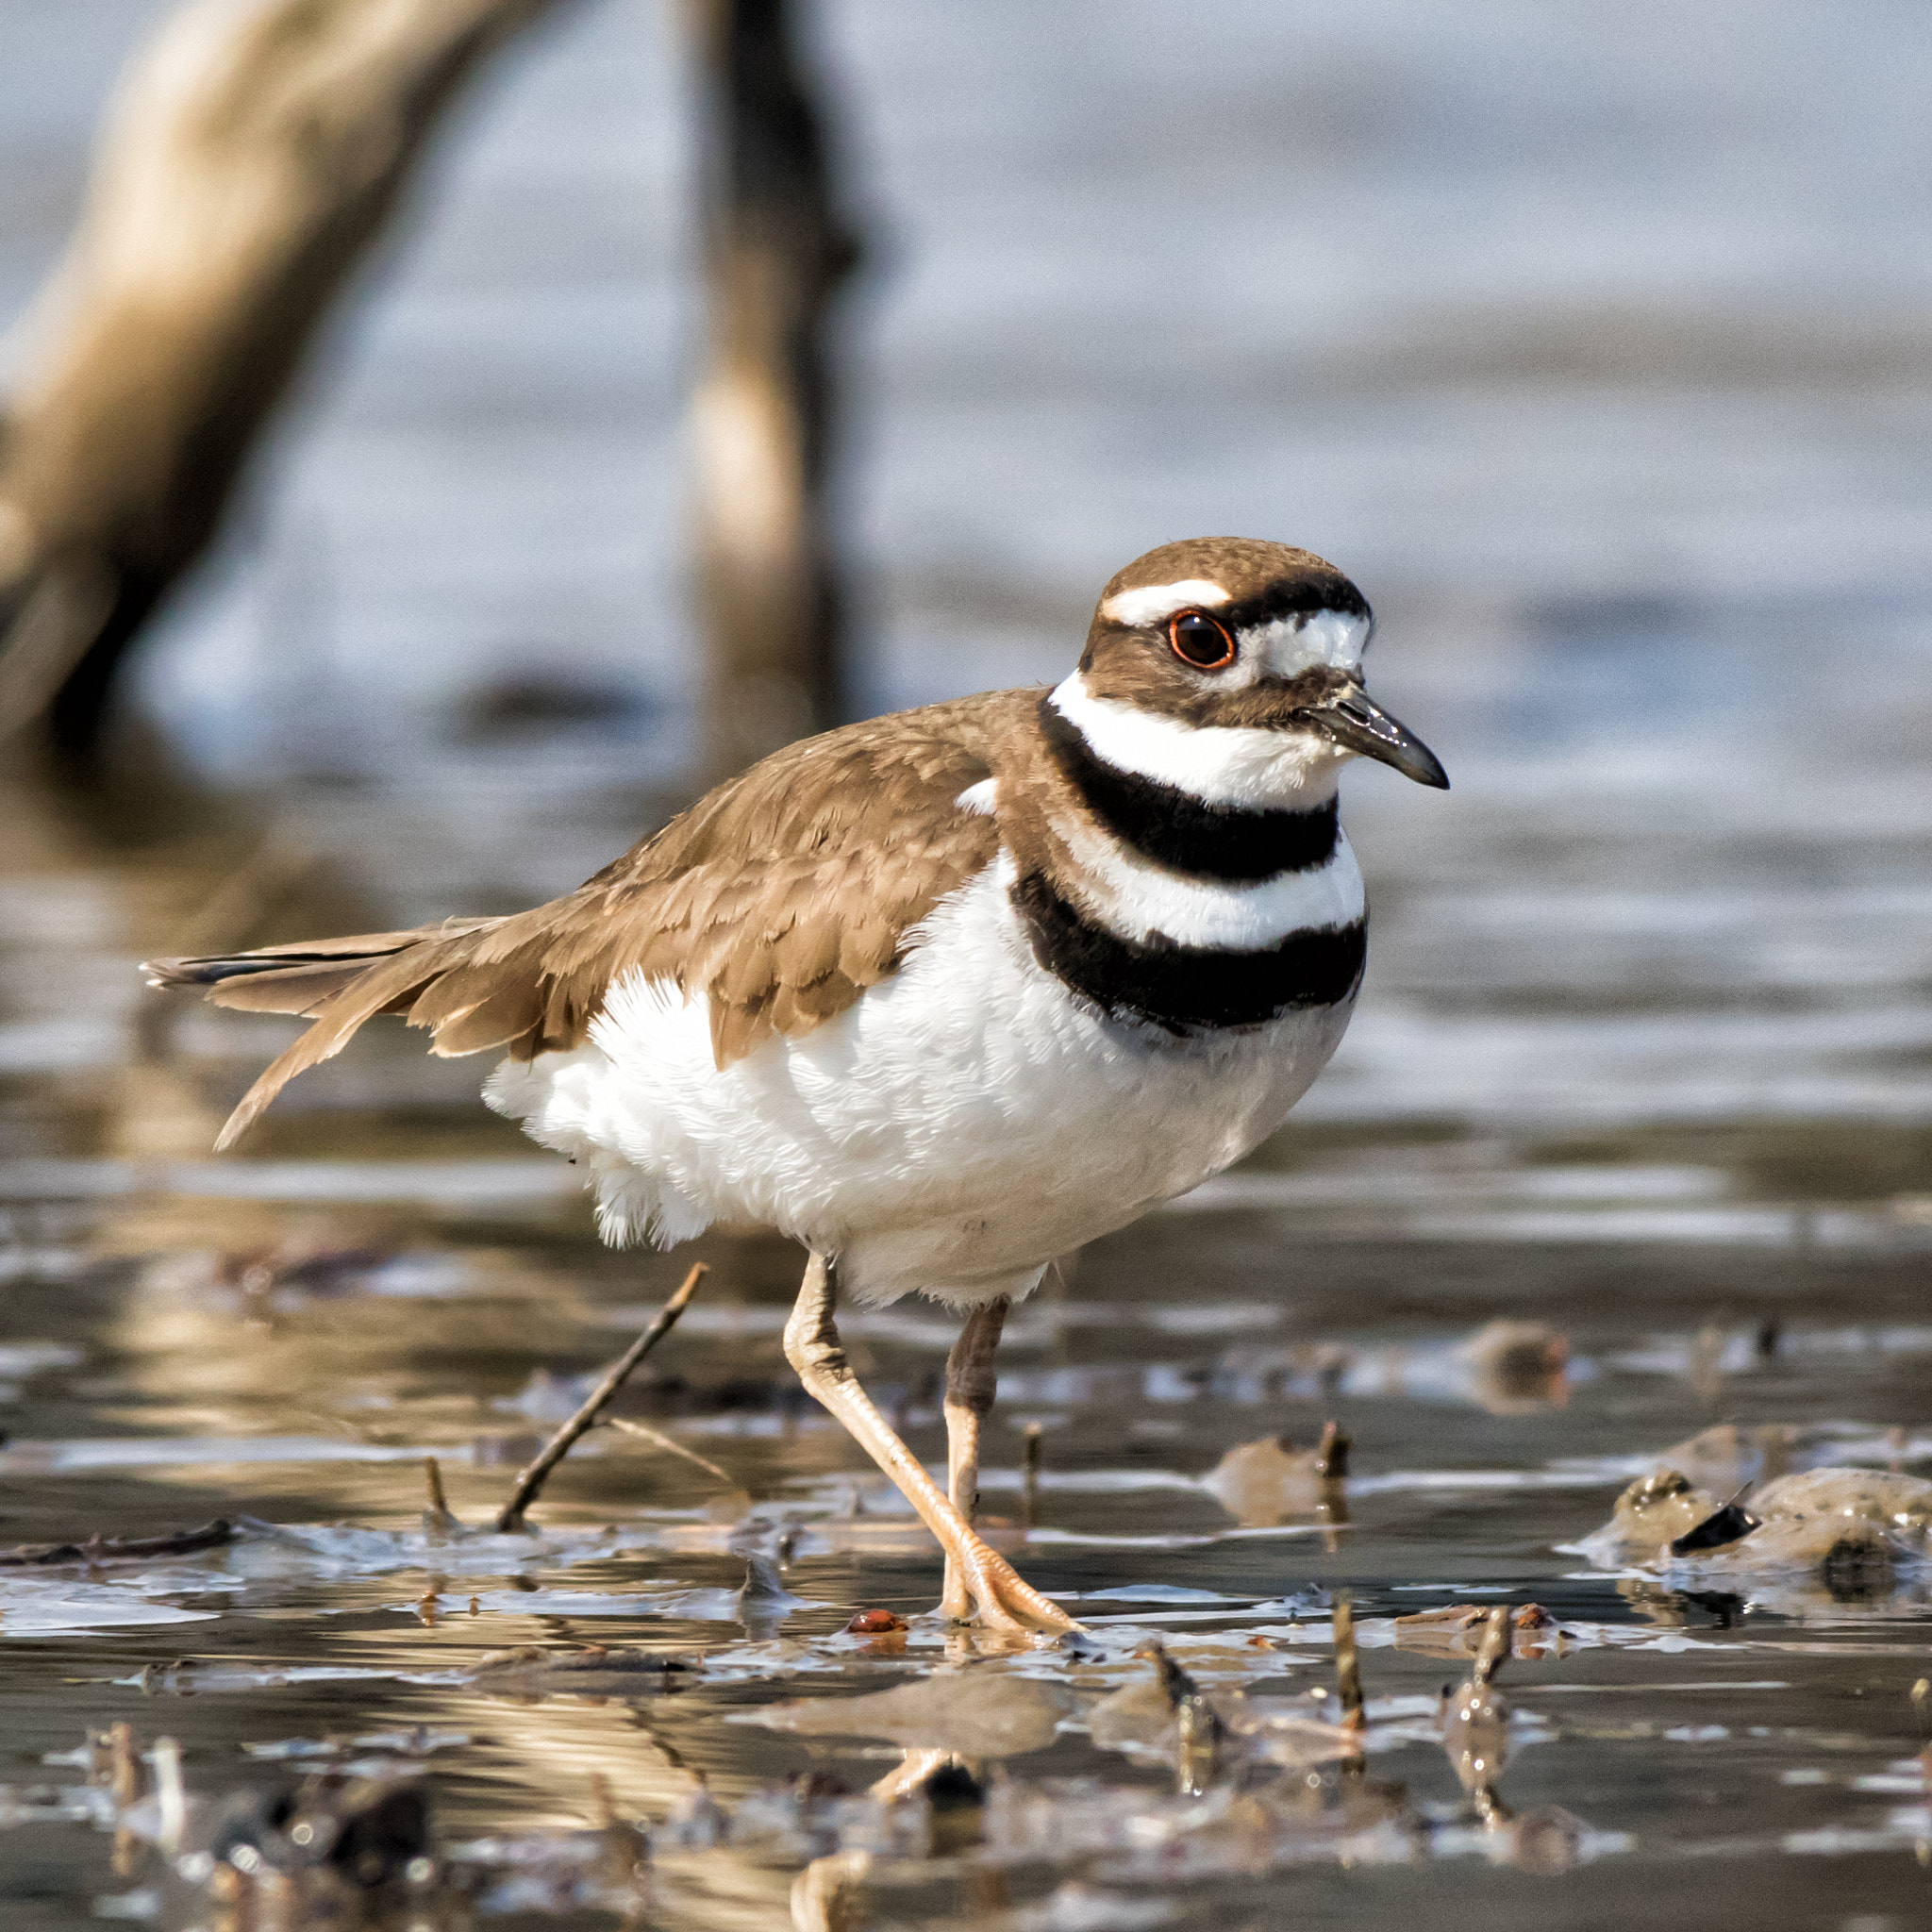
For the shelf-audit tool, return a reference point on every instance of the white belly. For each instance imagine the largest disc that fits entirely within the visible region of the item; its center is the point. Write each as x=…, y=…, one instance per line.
x=959, y=1125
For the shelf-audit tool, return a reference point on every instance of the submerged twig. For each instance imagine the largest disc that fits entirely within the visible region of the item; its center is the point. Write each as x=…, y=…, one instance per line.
x=1348, y=1668
x=111, y=1549
x=510, y=1521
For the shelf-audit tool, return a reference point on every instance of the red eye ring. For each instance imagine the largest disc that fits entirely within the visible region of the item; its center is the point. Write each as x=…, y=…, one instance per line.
x=1201, y=641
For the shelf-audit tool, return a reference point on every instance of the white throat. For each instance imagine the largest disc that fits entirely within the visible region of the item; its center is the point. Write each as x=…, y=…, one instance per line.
x=1259, y=770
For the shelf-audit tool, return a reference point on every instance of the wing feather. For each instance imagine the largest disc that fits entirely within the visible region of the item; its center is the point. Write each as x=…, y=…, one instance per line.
x=780, y=897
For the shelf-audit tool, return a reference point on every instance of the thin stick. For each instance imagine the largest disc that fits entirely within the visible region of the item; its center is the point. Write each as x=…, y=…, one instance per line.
x=510, y=1521
x=439, y=1519
x=1494, y=1650
x=1030, y=1476
x=645, y=1432
x=1348, y=1669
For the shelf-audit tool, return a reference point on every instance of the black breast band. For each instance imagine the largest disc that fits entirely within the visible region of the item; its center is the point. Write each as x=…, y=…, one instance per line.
x=1183, y=987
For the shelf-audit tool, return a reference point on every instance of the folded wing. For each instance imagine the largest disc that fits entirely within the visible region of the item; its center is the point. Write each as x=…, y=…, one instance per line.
x=780, y=896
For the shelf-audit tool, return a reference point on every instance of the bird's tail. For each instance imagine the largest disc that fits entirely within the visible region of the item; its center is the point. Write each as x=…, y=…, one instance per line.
x=339, y=984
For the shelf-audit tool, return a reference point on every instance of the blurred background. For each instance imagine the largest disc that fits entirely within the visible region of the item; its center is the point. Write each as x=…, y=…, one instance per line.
x=1595, y=348
x=624, y=393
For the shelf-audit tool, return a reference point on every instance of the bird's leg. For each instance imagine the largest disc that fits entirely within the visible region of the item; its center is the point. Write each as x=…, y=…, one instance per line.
x=814, y=1348
x=970, y=1384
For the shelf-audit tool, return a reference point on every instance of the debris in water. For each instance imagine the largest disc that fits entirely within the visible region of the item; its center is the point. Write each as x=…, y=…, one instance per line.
x=368, y=1830
x=1853, y=1529
x=509, y=1518
x=1705, y=1364
x=974, y=1712
x=1856, y=1527
x=1650, y=1515
x=107, y=1549
x=596, y=1670
x=1460, y=1630
x=1517, y=1366
x=1266, y=1483
x=1726, y=1525
x=764, y=1602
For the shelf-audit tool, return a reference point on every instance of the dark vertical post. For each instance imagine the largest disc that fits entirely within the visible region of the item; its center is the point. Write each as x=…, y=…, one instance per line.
x=776, y=251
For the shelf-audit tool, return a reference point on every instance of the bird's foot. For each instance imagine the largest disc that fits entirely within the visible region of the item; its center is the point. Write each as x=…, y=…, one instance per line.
x=978, y=1575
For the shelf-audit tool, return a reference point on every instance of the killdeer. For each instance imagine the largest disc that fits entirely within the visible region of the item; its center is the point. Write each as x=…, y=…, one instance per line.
x=942, y=995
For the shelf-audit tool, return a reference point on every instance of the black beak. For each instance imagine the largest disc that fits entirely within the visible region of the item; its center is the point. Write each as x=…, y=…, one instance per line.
x=1355, y=721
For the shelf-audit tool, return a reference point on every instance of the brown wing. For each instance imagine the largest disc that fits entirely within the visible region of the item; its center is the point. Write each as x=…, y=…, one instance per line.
x=781, y=895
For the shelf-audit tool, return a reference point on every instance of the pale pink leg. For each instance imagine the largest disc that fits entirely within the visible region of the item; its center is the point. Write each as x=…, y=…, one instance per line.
x=970, y=1384
x=814, y=1348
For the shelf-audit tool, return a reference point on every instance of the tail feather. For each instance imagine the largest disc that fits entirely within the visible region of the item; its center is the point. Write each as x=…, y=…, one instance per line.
x=360, y=949
x=290, y=990
x=337, y=984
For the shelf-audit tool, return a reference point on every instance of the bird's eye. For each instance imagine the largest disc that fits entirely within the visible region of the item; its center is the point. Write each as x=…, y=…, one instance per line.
x=1200, y=641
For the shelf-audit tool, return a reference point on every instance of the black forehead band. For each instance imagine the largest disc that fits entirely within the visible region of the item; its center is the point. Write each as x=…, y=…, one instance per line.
x=1305, y=598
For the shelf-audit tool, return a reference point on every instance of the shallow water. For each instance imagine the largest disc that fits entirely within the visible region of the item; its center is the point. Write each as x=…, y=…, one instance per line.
x=279, y=1339
x=1610, y=390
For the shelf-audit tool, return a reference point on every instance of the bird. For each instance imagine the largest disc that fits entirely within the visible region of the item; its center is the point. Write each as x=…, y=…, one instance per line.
x=943, y=994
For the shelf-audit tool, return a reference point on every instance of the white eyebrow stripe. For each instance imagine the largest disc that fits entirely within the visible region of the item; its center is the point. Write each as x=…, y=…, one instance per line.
x=1153, y=601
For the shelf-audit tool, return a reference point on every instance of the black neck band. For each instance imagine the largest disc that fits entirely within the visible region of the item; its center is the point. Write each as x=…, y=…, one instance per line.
x=1185, y=987
x=1184, y=833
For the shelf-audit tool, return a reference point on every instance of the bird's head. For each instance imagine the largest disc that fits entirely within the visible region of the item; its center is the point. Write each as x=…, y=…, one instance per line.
x=1232, y=668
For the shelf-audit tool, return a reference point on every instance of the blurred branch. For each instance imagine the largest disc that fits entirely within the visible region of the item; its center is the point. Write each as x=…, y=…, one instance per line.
x=776, y=251
x=254, y=153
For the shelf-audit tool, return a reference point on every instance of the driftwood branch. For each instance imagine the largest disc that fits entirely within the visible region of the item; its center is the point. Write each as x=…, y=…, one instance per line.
x=255, y=151
x=776, y=251
x=116, y=1549
x=510, y=1521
